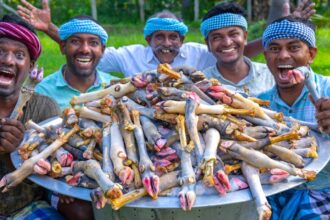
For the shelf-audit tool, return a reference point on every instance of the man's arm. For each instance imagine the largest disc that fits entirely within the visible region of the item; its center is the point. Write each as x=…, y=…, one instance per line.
x=304, y=10
x=323, y=113
x=40, y=19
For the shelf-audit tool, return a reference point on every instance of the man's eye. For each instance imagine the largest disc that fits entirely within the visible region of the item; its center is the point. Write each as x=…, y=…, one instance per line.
x=74, y=41
x=273, y=49
x=294, y=48
x=20, y=55
x=94, y=43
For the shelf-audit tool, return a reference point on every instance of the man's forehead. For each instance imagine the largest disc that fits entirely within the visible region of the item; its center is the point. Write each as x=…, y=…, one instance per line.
x=226, y=29
x=85, y=36
x=165, y=32
x=286, y=41
x=5, y=41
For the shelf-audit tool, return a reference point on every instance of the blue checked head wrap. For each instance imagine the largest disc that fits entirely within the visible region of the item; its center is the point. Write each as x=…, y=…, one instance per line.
x=164, y=24
x=288, y=29
x=221, y=21
x=87, y=26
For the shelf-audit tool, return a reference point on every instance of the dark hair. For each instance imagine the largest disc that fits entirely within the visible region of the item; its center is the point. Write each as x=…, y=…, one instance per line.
x=85, y=17
x=12, y=18
x=225, y=7
x=291, y=18
x=165, y=14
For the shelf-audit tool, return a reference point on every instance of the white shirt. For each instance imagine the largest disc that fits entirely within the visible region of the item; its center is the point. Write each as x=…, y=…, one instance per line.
x=137, y=58
x=258, y=80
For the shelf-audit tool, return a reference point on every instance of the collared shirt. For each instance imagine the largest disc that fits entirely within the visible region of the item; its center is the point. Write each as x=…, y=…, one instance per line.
x=303, y=109
x=134, y=59
x=259, y=79
x=56, y=87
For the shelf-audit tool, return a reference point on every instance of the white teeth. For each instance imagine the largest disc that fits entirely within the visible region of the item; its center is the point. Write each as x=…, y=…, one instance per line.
x=6, y=71
x=228, y=50
x=165, y=51
x=286, y=66
x=83, y=60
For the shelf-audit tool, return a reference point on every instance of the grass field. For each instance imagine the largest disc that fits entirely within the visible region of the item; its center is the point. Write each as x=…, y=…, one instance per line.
x=120, y=35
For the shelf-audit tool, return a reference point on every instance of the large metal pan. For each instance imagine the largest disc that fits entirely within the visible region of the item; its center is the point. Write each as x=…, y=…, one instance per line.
x=173, y=202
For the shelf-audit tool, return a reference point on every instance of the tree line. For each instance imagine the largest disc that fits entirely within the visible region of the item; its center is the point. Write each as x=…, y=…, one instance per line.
x=136, y=11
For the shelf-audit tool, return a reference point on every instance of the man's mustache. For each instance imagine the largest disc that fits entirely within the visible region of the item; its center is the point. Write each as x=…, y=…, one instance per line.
x=171, y=49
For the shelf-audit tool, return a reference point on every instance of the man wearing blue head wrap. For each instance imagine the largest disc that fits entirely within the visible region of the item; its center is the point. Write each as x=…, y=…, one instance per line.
x=225, y=30
x=82, y=41
x=164, y=33
x=290, y=43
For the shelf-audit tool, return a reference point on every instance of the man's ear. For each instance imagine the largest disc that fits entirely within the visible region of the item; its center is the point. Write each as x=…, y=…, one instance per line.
x=206, y=40
x=245, y=37
x=62, y=46
x=312, y=54
x=103, y=48
x=182, y=39
x=148, y=39
x=32, y=64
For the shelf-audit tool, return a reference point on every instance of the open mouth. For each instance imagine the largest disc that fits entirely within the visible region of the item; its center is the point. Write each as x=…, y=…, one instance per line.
x=228, y=50
x=84, y=60
x=284, y=73
x=6, y=77
x=166, y=51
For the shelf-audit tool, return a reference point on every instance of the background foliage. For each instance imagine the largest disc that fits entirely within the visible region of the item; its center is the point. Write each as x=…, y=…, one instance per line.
x=121, y=19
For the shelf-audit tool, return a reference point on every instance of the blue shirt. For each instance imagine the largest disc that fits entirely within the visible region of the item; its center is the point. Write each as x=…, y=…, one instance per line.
x=303, y=109
x=137, y=58
x=55, y=87
x=259, y=79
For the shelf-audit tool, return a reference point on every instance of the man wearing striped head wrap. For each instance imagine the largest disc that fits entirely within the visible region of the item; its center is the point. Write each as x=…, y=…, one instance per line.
x=19, y=50
x=290, y=43
x=225, y=30
x=136, y=58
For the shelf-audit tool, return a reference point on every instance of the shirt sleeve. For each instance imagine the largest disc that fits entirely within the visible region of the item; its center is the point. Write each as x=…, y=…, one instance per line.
x=40, y=108
x=110, y=61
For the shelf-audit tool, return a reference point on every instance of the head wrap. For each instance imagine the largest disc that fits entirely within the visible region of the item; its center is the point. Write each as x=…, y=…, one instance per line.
x=164, y=24
x=20, y=33
x=87, y=26
x=221, y=21
x=288, y=29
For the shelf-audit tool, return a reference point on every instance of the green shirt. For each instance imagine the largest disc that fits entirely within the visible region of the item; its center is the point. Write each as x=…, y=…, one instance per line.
x=55, y=87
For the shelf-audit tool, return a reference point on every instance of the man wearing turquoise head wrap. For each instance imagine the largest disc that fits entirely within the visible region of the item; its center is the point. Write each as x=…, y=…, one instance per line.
x=82, y=42
x=225, y=30
x=290, y=43
x=132, y=59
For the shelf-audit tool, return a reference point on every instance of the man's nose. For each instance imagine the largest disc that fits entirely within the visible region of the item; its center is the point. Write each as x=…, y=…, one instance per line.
x=84, y=47
x=227, y=41
x=7, y=58
x=167, y=41
x=284, y=54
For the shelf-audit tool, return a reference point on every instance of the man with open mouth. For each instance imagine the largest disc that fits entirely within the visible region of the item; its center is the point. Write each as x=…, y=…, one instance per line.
x=164, y=32
x=82, y=42
x=290, y=43
x=19, y=50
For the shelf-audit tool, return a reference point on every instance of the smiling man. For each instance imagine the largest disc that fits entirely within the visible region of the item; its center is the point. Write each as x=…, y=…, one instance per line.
x=83, y=43
x=290, y=43
x=225, y=30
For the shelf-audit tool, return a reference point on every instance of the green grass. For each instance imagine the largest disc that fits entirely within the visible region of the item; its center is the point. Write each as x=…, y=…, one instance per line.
x=122, y=34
